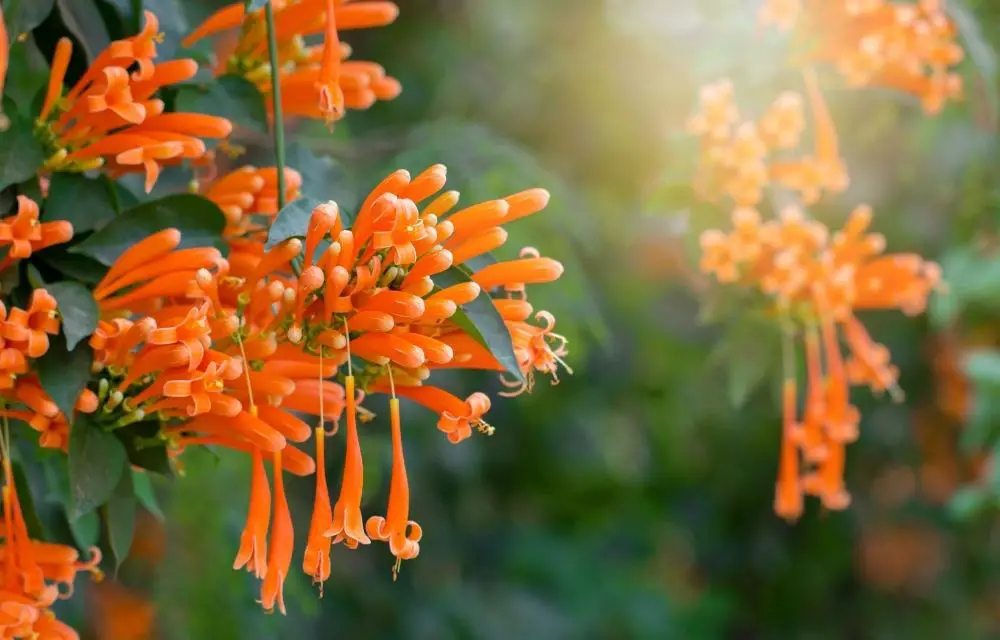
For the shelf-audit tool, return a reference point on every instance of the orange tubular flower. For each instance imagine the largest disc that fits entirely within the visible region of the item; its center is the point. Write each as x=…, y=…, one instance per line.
x=396, y=528
x=825, y=278
x=110, y=117
x=23, y=235
x=282, y=545
x=251, y=191
x=348, y=525
x=316, y=81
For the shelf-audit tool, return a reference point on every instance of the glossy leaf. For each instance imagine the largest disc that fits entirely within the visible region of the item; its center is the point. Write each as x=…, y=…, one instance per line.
x=77, y=308
x=97, y=461
x=64, y=372
x=72, y=265
x=199, y=220
x=323, y=178
x=86, y=203
x=291, y=222
x=229, y=96
x=24, y=15
x=119, y=517
x=481, y=320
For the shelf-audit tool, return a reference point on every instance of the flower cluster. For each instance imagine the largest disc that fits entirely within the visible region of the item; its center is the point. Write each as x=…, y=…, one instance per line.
x=814, y=281
x=111, y=118
x=35, y=574
x=22, y=234
x=817, y=283
x=316, y=81
x=741, y=158
x=906, y=46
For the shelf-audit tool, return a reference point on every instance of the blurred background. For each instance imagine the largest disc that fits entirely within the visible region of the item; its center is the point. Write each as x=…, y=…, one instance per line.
x=633, y=500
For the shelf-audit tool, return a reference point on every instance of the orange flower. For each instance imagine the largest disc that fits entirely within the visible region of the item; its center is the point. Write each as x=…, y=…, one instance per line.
x=24, y=235
x=110, y=117
x=825, y=278
x=348, y=524
x=282, y=543
x=247, y=191
x=396, y=528
x=29, y=330
x=253, y=542
x=316, y=561
x=316, y=81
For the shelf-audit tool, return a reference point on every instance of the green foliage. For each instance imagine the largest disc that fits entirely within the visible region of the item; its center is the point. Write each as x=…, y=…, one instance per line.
x=83, y=20
x=198, y=219
x=291, y=222
x=86, y=203
x=64, y=372
x=97, y=462
x=78, y=311
x=481, y=320
x=118, y=516
x=20, y=154
x=22, y=16
x=231, y=97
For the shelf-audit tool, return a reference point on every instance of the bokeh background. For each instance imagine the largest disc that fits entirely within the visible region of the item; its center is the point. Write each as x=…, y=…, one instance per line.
x=633, y=499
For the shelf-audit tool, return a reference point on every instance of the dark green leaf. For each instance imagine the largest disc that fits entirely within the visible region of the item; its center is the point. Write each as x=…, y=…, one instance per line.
x=20, y=153
x=143, y=485
x=119, y=516
x=231, y=97
x=35, y=279
x=96, y=462
x=28, y=72
x=472, y=265
x=64, y=373
x=199, y=220
x=481, y=320
x=24, y=15
x=72, y=265
x=144, y=447
x=291, y=222
x=86, y=529
x=124, y=198
x=78, y=310
x=323, y=178
x=87, y=203
x=34, y=524
x=84, y=21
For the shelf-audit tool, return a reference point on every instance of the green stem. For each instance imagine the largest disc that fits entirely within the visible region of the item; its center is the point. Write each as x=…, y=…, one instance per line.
x=279, y=125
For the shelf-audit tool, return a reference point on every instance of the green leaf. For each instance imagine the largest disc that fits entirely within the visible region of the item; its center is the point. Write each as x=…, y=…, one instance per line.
x=21, y=154
x=253, y=5
x=119, y=517
x=143, y=486
x=24, y=15
x=86, y=529
x=967, y=502
x=87, y=203
x=28, y=72
x=31, y=519
x=198, y=219
x=83, y=20
x=64, y=372
x=323, y=178
x=481, y=320
x=96, y=462
x=983, y=367
x=291, y=222
x=124, y=198
x=71, y=265
x=78, y=310
x=144, y=447
x=230, y=96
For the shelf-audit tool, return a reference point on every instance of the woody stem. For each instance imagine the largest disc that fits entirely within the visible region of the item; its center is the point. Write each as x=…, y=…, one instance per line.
x=278, y=124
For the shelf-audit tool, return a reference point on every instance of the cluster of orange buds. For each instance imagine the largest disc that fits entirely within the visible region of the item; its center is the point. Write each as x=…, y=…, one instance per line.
x=906, y=46
x=22, y=234
x=741, y=158
x=34, y=574
x=316, y=81
x=817, y=282
x=111, y=117
x=250, y=192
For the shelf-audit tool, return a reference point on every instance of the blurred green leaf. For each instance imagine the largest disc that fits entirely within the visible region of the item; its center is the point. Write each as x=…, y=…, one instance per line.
x=21, y=155
x=83, y=19
x=145, y=448
x=77, y=308
x=253, y=5
x=31, y=519
x=146, y=495
x=64, y=372
x=86, y=529
x=968, y=501
x=230, y=96
x=984, y=57
x=973, y=280
x=97, y=461
x=481, y=320
x=198, y=219
x=24, y=15
x=323, y=178
x=87, y=203
x=119, y=517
